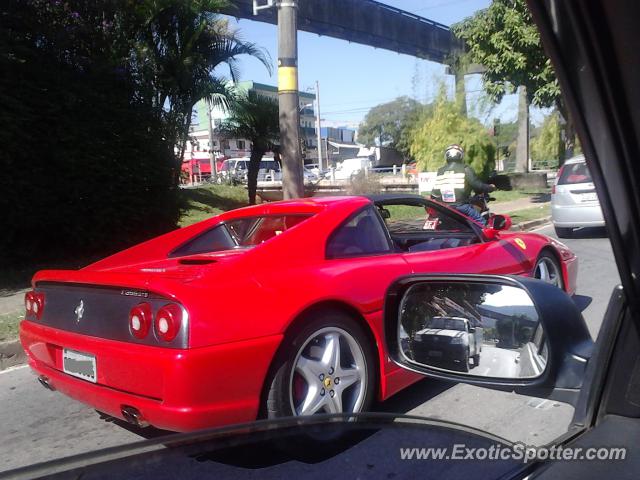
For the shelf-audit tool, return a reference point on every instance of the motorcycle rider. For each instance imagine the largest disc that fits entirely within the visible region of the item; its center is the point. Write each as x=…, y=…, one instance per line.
x=455, y=182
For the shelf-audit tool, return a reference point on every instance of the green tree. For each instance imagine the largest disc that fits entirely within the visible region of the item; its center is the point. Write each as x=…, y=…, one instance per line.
x=547, y=145
x=505, y=40
x=254, y=117
x=444, y=125
x=179, y=45
x=87, y=166
x=390, y=123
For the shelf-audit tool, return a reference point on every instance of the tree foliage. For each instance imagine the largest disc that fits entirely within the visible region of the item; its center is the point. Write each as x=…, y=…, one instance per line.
x=505, y=40
x=547, y=145
x=178, y=44
x=444, y=125
x=94, y=98
x=390, y=122
x=256, y=118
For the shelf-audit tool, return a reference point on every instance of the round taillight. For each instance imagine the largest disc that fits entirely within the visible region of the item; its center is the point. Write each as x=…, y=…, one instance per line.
x=28, y=302
x=140, y=320
x=168, y=321
x=34, y=303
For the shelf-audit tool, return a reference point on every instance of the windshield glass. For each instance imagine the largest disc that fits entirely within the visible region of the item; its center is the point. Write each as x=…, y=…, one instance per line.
x=149, y=283
x=447, y=323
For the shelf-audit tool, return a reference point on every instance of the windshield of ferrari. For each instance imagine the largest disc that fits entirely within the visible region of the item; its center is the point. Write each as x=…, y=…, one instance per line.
x=205, y=203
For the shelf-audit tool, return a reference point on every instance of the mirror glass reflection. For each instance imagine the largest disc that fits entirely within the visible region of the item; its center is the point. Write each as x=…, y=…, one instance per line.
x=482, y=329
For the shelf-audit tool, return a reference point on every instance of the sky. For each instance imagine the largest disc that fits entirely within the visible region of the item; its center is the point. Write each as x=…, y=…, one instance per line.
x=353, y=78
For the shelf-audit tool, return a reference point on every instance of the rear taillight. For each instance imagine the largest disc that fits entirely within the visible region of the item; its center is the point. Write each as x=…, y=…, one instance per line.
x=167, y=322
x=34, y=303
x=558, y=175
x=140, y=318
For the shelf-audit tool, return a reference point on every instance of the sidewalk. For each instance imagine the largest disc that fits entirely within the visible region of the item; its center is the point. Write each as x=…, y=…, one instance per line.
x=11, y=301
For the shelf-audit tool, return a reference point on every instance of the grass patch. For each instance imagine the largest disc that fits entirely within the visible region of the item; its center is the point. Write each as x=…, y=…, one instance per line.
x=510, y=195
x=209, y=200
x=404, y=212
x=9, y=325
x=532, y=213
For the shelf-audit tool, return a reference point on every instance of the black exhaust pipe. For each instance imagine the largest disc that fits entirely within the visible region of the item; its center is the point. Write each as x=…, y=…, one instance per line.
x=133, y=416
x=46, y=383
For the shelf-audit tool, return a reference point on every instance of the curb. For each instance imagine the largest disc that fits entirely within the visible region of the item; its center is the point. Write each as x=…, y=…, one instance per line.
x=531, y=224
x=11, y=354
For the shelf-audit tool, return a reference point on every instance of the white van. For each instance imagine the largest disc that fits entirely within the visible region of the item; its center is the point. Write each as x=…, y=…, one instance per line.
x=350, y=167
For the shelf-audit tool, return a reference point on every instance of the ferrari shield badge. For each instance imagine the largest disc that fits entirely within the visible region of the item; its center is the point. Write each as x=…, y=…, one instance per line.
x=521, y=243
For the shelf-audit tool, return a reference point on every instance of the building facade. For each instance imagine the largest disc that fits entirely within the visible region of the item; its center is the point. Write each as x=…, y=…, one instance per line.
x=240, y=147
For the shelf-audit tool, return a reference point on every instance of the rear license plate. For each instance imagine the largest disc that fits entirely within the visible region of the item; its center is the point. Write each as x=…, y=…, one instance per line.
x=589, y=197
x=80, y=365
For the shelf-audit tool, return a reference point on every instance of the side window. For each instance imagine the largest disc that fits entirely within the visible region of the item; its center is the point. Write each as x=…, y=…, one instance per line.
x=402, y=219
x=212, y=240
x=362, y=235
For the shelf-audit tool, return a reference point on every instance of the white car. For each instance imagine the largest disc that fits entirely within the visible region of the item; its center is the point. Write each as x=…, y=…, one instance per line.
x=574, y=201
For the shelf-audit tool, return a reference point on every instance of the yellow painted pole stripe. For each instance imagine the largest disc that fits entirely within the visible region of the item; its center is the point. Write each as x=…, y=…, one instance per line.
x=287, y=79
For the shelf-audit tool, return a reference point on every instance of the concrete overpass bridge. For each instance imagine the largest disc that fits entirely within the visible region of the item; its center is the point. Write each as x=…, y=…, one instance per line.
x=367, y=22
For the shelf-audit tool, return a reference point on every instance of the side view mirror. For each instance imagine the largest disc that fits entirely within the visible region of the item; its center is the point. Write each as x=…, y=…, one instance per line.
x=500, y=222
x=523, y=335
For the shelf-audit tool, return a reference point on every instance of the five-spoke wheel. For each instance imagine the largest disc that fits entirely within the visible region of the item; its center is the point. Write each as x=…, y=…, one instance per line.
x=325, y=366
x=548, y=270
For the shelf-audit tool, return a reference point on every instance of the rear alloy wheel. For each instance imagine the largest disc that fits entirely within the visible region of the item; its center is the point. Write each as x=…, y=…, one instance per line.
x=548, y=270
x=327, y=368
x=564, y=232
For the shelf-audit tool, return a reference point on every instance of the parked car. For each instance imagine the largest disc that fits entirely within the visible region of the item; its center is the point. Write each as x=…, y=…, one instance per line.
x=234, y=169
x=238, y=170
x=449, y=341
x=269, y=170
x=265, y=311
x=574, y=201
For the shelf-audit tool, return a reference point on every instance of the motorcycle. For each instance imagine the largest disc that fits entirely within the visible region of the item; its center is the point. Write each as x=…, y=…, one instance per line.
x=481, y=201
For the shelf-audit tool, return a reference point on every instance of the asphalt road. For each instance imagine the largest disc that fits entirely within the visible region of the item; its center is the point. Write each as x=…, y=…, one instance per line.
x=38, y=425
x=497, y=362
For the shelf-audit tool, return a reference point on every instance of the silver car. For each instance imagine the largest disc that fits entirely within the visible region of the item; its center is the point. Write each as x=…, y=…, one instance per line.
x=574, y=201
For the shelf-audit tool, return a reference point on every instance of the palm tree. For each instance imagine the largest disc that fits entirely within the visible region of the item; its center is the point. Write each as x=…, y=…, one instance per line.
x=253, y=117
x=180, y=44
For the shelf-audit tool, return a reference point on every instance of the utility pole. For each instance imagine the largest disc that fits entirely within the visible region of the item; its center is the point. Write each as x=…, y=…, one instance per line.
x=289, y=103
x=319, y=131
x=212, y=160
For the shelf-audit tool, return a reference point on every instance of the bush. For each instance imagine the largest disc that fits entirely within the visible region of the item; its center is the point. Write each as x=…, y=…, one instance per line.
x=86, y=169
x=361, y=184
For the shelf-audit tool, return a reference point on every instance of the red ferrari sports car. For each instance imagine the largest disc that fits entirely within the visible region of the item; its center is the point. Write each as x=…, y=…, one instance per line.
x=263, y=311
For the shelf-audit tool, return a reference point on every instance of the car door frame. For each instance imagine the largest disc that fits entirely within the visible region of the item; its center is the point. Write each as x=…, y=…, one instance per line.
x=418, y=200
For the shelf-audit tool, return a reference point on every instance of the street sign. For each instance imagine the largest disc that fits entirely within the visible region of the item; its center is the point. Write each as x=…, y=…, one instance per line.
x=261, y=5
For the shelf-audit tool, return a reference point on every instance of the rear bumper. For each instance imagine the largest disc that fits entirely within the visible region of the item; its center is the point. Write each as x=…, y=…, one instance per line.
x=179, y=390
x=575, y=216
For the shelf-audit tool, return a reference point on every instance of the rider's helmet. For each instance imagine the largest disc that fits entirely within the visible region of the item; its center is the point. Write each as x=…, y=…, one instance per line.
x=453, y=153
